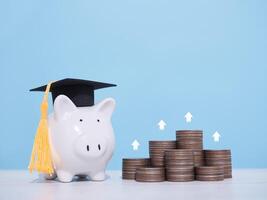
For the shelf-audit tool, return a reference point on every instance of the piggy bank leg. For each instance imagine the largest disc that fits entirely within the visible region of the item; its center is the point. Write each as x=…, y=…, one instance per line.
x=64, y=176
x=49, y=177
x=98, y=176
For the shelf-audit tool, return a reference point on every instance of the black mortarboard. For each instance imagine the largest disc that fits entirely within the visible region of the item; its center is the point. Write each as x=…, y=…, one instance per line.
x=81, y=92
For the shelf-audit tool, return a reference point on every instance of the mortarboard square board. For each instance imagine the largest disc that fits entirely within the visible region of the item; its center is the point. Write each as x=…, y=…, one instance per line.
x=81, y=92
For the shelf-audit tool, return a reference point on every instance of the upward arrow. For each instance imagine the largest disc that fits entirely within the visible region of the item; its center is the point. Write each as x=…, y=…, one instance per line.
x=162, y=125
x=216, y=136
x=188, y=117
x=135, y=145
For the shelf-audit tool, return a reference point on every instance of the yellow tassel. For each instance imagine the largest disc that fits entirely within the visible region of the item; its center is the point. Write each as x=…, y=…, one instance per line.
x=41, y=159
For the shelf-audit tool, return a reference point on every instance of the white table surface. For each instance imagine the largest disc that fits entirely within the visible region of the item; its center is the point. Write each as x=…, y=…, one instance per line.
x=245, y=184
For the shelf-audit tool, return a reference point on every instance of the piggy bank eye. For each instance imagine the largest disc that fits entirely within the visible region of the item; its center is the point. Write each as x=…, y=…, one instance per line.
x=81, y=120
x=98, y=120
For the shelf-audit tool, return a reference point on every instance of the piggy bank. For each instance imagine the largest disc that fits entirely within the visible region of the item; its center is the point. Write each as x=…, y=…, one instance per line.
x=81, y=139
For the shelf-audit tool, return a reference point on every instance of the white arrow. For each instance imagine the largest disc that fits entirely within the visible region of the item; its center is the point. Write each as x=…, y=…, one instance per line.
x=162, y=125
x=188, y=117
x=135, y=145
x=216, y=136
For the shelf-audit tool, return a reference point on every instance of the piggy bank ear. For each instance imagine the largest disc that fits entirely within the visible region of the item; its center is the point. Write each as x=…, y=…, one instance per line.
x=63, y=107
x=106, y=106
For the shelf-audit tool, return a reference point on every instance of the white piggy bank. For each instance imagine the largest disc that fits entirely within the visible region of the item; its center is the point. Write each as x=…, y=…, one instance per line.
x=81, y=139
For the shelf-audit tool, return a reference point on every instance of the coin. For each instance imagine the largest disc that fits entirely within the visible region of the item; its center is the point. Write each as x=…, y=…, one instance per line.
x=180, y=174
x=209, y=170
x=178, y=152
x=162, y=143
x=181, y=169
x=190, y=133
x=180, y=178
x=179, y=165
x=210, y=177
x=190, y=146
x=189, y=139
x=157, y=150
x=217, y=152
x=220, y=158
x=150, y=174
x=129, y=166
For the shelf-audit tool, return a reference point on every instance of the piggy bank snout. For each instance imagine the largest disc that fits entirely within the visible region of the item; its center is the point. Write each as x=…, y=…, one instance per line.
x=88, y=147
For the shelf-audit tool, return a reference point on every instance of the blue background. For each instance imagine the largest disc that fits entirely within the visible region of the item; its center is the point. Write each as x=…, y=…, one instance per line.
x=167, y=57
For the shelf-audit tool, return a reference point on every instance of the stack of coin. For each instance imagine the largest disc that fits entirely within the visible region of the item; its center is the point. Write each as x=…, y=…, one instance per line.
x=150, y=174
x=179, y=165
x=129, y=166
x=198, y=158
x=189, y=139
x=157, y=149
x=209, y=173
x=219, y=158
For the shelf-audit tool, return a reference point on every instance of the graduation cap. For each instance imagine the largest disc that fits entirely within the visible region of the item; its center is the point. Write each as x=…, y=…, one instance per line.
x=81, y=92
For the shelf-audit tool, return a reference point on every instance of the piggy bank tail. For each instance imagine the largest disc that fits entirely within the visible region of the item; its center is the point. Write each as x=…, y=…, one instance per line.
x=41, y=159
